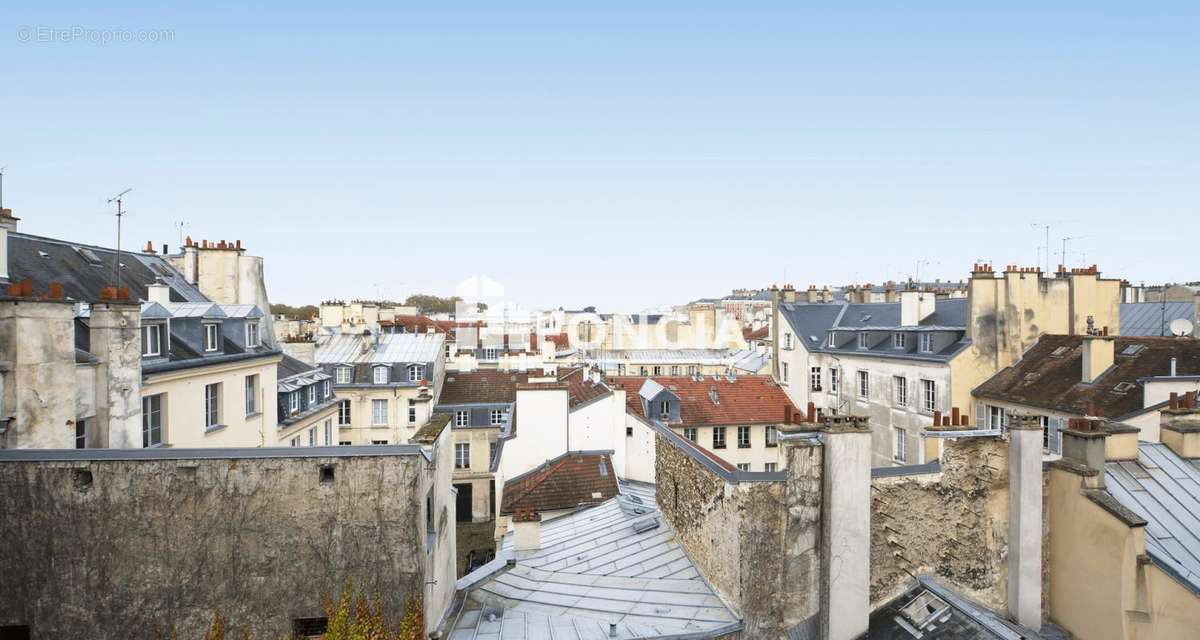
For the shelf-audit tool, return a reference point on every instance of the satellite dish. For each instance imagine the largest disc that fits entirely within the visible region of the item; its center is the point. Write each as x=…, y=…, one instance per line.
x=1181, y=327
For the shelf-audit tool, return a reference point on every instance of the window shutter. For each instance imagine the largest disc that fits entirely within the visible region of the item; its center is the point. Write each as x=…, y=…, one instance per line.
x=981, y=416
x=1054, y=426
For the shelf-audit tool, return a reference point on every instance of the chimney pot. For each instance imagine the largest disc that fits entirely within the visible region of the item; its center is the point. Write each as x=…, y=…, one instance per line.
x=811, y=415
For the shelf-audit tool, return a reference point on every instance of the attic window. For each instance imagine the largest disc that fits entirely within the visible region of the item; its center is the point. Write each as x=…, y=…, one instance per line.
x=43, y=254
x=88, y=255
x=866, y=316
x=1133, y=349
x=1124, y=387
x=1060, y=352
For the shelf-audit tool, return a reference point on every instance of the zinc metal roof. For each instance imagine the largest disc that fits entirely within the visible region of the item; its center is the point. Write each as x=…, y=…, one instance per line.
x=594, y=569
x=1153, y=318
x=195, y=310
x=1164, y=489
x=391, y=348
x=241, y=311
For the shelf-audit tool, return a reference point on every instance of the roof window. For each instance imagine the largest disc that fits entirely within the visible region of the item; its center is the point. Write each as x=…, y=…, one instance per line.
x=1133, y=349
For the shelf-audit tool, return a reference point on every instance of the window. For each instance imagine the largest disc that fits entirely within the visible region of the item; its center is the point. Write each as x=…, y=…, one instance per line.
x=251, y=395
x=787, y=340
x=329, y=432
x=674, y=369
x=718, y=437
x=900, y=385
x=642, y=370
x=295, y=441
x=833, y=339
x=690, y=433
x=1045, y=421
x=814, y=379
x=770, y=467
x=152, y=420
x=462, y=455
x=833, y=380
x=416, y=372
x=379, y=415
x=312, y=394
x=326, y=390
x=864, y=340
x=462, y=418
x=996, y=417
x=691, y=370
x=412, y=411
x=381, y=375
x=928, y=395
x=783, y=371
x=926, y=344
x=743, y=437
x=379, y=442
x=772, y=435
x=344, y=413
x=342, y=375
x=899, y=340
x=293, y=402
x=212, y=404
x=210, y=337
x=312, y=436
x=152, y=340
x=743, y=466
x=664, y=410
x=496, y=417
x=900, y=449
x=81, y=434
x=864, y=385
x=490, y=353
x=491, y=454
x=251, y=334
x=448, y=354
x=657, y=370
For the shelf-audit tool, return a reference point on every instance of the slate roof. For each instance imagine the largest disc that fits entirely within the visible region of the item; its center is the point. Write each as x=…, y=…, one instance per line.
x=85, y=269
x=953, y=617
x=811, y=322
x=594, y=568
x=1164, y=489
x=1153, y=318
x=341, y=348
x=746, y=400
x=569, y=481
x=1044, y=380
x=290, y=366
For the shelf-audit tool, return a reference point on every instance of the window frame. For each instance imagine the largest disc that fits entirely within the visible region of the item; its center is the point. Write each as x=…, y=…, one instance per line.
x=312, y=394
x=329, y=432
x=375, y=374
x=862, y=389
x=770, y=467
x=771, y=436
x=833, y=380
x=462, y=455
x=462, y=418
x=212, y=405
x=691, y=433
x=152, y=406
x=375, y=413
x=211, y=337
x=925, y=344
x=928, y=395
x=899, y=340
x=899, y=445
x=344, y=413
x=900, y=391
x=783, y=371
x=743, y=437
x=815, y=375
x=255, y=339
x=338, y=374
x=251, y=394
x=416, y=372
x=664, y=410
x=864, y=340
x=495, y=417
x=152, y=330
x=718, y=435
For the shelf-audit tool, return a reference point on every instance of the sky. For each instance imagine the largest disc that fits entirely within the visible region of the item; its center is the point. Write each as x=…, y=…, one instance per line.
x=616, y=154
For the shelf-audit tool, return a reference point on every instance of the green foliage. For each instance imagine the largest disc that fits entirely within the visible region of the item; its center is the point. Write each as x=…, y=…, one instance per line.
x=352, y=618
x=426, y=303
x=295, y=313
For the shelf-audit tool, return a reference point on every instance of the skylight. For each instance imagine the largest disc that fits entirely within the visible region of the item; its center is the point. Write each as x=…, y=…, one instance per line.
x=1060, y=352
x=1133, y=349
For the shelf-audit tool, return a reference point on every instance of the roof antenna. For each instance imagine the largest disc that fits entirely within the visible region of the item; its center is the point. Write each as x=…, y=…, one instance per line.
x=181, y=224
x=120, y=212
x=2, y=186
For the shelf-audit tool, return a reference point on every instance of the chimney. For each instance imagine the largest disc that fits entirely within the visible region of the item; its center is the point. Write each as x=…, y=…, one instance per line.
x=1097, y=356
x=1179, y=428
x=8, y=221
x=789, y=293
x=191, y=262
x=812, y=295
x=845, y=573
x=915, y=306
x=1173, y=368
x=826, y=295
x=1025, y=521
x=1083, y=442
x=158, y=292
x=527, y=530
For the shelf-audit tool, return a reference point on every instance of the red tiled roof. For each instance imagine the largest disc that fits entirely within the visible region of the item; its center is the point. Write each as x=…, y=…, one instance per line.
x=761, y=333
x=566, y=482
x=493, y=387
x=746, y=400
x=581, y=388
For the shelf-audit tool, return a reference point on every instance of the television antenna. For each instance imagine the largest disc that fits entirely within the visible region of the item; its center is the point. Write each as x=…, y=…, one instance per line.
x=180, y=224
x=1045, y=226
x=119, y=199
x=1065, y=240
x=2, y=186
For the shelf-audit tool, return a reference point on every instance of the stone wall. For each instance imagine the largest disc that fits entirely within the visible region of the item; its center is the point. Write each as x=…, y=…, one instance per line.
x=953, y=524
x=140, y=547
x=756, y=542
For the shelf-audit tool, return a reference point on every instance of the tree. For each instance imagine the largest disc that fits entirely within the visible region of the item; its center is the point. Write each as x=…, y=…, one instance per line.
x=426, y=303
x=295, y=313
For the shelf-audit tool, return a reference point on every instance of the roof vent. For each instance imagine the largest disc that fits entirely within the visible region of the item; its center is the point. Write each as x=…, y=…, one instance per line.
x=712, y=395
x=925, y=609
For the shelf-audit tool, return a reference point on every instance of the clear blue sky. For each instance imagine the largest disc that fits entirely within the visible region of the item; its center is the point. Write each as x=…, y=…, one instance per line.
x=625, y=155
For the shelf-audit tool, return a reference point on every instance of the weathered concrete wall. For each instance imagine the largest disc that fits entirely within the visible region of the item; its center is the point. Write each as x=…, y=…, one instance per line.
x=953, y=524
x=756, y=542
x=159, y=544
x=115, y=339
x=37, y=358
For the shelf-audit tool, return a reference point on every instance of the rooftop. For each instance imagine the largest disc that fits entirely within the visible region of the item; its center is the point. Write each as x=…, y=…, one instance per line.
x=571, y=480
x=594, y=568
x=812, y=322
x=385, y=348
x=1051, y=373
x=742, y=400
x=1164, y=489
x=500, y=387
x=1153, y=318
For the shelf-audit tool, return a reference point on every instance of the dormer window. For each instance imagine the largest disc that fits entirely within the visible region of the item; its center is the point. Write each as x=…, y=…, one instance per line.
x=252, y=334
x=312, y=394
x=152, y=340
x=927, y=343
x=899, y=341
x=416, y=372
x=381, y=375
x=294, y=401
x=490, y=353
x=864, y=340
x=833, y=339
x=210, y=337
x=343, y=375
x=664, y=409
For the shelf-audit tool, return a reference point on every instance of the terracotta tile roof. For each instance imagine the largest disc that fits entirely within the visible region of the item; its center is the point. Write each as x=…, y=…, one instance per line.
x=424, y=324
x=746, y=400
x=761, y=333
x=582, y=390
x=566, y=482
x=1051, y=373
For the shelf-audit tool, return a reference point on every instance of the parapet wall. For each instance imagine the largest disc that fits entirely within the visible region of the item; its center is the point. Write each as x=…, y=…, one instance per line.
x=109, y=548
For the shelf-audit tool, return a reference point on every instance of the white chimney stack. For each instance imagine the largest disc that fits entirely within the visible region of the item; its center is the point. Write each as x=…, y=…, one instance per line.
x=3, y=252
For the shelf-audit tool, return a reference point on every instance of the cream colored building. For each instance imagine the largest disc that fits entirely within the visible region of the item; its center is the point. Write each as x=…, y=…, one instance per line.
x=360, y=314
x=387, y=384
x=307, y=405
